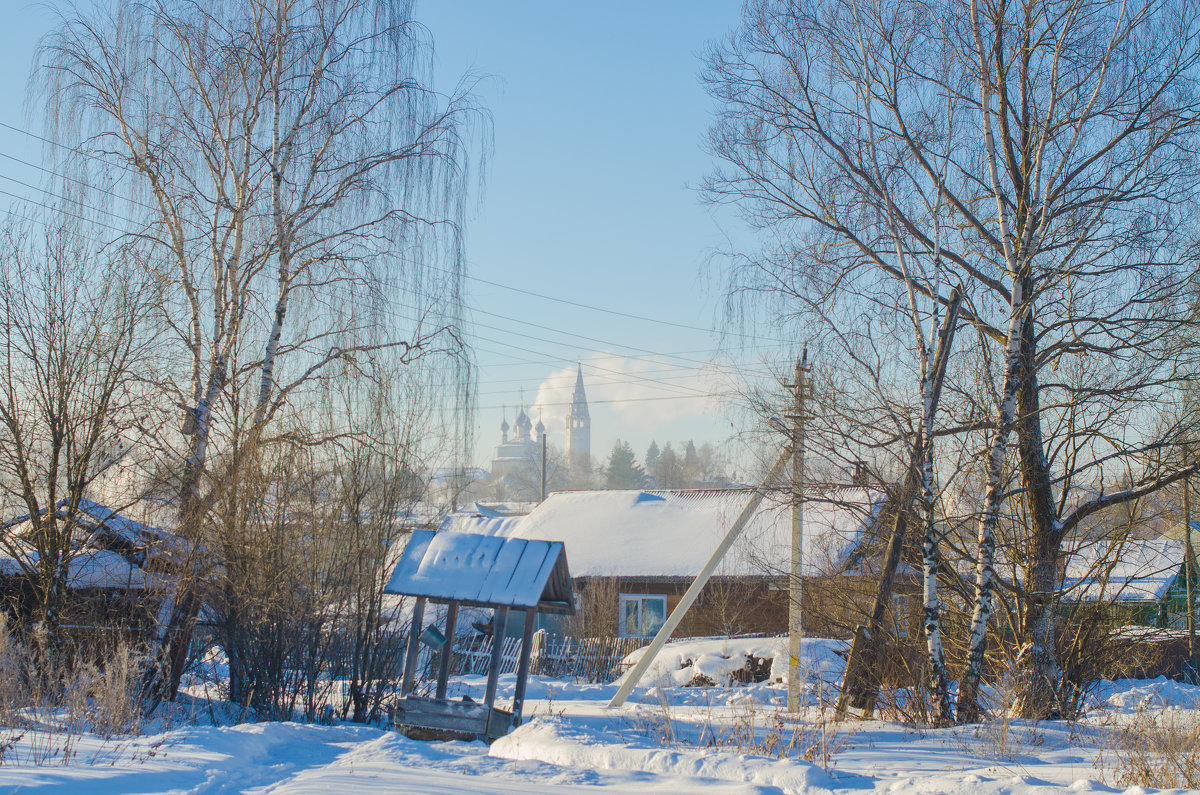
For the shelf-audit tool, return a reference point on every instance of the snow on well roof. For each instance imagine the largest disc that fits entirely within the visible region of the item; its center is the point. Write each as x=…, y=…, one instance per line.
x=489, y=571
x=632, y=533
x=1129, y=570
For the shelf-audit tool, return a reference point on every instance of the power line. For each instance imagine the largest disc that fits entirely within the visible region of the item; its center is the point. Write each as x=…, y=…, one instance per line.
x=48, y=192
x=645, y=354
x=28, y=200
x=74, y=149
x=728, y=369
x=638, y=378
x=633, y=378
x=620, y=400
x=481, y=280
x=580, y=336
x=78, y=181
x=591, y=366
x=615, y=312
x=594, y=385
x=565, y=345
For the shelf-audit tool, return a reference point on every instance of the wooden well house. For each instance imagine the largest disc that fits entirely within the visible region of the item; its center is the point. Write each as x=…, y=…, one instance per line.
x=503, y=574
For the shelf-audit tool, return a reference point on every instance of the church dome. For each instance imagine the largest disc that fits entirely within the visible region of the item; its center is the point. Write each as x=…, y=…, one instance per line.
x=523, y=425
x=504, y=424
x=539, y=428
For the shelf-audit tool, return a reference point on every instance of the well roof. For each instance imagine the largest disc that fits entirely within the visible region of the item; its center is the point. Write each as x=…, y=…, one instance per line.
x=487, y=571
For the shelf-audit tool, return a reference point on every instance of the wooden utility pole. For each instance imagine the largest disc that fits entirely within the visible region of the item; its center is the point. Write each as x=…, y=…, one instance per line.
x=1189, y=561
x=543, y=489
x=795, y=627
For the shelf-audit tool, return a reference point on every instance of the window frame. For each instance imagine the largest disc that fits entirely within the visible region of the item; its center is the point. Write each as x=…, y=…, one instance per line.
x=640, y=599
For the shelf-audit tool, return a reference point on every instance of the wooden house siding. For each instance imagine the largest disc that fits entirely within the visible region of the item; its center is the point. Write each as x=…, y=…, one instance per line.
x=831, y=606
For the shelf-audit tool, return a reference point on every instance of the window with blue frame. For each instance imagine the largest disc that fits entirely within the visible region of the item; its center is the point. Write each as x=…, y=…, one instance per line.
x=641, y=615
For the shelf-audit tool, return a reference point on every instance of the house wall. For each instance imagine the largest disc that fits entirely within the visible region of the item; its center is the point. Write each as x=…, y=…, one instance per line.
x=85, y=609
x=831, y=606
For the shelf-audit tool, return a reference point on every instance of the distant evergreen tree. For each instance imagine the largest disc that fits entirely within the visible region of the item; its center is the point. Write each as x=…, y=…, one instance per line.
x=708, y=467
x=652, y=457
x=691, y=466
x=669, y=472
x=623, y=471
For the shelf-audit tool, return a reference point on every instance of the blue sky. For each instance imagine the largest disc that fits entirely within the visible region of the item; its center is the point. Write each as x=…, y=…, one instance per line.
x=598, y=119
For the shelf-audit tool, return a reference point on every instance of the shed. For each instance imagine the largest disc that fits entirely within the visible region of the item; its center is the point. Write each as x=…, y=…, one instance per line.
x=484, y=571
x=116, y=574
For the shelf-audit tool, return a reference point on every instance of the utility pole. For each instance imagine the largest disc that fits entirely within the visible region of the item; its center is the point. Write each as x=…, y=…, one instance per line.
x=543, y=489
x=795, y=627
x=1189, y=561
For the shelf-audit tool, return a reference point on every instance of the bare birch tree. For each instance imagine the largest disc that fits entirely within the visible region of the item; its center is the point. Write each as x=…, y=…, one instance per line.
x=1043, y=150
x=281, y=157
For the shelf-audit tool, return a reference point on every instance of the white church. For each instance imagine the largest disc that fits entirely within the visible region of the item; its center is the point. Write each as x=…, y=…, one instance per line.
x=516, y=469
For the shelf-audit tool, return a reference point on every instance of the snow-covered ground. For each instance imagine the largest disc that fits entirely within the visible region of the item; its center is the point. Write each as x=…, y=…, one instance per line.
x=667, y=739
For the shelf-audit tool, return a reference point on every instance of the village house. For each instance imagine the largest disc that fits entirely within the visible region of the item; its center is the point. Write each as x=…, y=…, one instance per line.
x=634, y=553
x=116, y=572
x=1129, y=582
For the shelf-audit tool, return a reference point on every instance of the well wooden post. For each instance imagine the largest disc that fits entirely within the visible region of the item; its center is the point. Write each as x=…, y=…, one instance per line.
x=796, y=571
x=499, y=624
x=447, y=649
x=414, y=646
x=523, y=664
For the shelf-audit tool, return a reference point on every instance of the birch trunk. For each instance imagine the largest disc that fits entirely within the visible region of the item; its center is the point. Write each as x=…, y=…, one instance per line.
x=969, y=709
x=282, y=239
x=938, y=680
x=173, y=621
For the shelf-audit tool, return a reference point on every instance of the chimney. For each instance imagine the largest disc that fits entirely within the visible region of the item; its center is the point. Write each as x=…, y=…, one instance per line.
x=861, y=475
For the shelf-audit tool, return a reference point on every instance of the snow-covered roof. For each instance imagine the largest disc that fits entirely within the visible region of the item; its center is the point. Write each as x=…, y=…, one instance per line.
x=457, y=474
x=489, y=571
x=136, y=540
x=1131, y=569
x=112, y=550
x=631, y=533
x=484, y=519
x=91, y=568
x=1175, y=532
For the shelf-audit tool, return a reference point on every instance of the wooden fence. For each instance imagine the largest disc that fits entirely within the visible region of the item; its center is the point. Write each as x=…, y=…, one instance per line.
x=582, y=659
x=474, y=656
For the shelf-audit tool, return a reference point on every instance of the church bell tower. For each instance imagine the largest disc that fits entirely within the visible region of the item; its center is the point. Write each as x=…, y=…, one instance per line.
x=579, y=429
